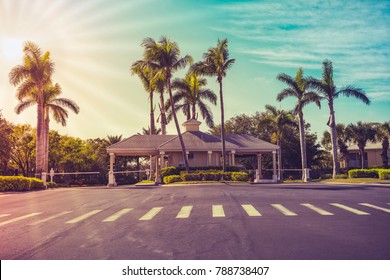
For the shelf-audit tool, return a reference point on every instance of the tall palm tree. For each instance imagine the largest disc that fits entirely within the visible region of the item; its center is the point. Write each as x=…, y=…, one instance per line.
x=33, y=74
x=145, y=74
x=163, y=57
x=329, y=92
x=53, y=104
x=383, y=134
x=190, y=95
x=360, y=133
x=278, y=120
x=297, y=87
x=215, y=63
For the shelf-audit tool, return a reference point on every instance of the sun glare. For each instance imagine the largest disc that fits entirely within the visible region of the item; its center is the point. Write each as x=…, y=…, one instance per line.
x=12, y=48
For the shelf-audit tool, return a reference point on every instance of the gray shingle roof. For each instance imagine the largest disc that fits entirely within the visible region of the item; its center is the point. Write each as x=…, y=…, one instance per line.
x=248, y=142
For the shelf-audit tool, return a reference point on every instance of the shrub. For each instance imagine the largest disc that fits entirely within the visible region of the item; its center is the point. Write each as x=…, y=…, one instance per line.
x=19, y=183
x=52, y=185
x=169, y=170
x=191, y=177
x=239, y=176
x=212, y=175
x=326, y=176
x=341, y=176
x=363, y=173
x=384, y=174
x=172, y=179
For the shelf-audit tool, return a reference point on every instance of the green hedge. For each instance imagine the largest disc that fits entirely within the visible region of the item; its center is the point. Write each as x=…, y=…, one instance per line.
x=172, y=179
x=172, y=170
x=384, y=174
x=20, y=183
x=363, y=173
x=239, y=176
x=214, y=176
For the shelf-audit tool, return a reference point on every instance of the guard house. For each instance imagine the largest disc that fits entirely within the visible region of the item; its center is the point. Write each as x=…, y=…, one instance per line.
x=202, y=150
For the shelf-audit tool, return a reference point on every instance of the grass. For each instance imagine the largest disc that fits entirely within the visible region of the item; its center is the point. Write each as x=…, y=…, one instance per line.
x=356, y=180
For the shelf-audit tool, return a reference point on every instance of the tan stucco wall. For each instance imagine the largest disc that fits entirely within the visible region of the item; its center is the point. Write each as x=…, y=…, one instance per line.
x=373, y=158
x=200, y=159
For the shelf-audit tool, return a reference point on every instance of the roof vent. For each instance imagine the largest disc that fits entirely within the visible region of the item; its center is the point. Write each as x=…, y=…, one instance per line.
x=191, y=125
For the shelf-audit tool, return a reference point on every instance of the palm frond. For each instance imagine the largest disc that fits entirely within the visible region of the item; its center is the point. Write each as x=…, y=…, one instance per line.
x=23, y=105
x=357, y=93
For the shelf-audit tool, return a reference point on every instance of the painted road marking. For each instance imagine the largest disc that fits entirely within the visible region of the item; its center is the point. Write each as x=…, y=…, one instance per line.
x=376, y=207
x=4, y=195
x=284, y=210
x=218, y=211
x=250, y=210
x=150, y=215
x=117, y=215
x=83, y=217
x=353, y=210
x=20, y=218
x=316, y=209
x=50, y=218
x=4, y=215
x=184, y=213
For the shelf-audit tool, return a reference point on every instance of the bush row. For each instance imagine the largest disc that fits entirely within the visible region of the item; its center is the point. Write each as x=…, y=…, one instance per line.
x=383, y=174
x=206, y=176
x=20, y=183
x=172, y=170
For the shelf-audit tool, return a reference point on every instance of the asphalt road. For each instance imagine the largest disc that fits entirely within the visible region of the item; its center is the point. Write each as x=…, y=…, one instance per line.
x=300, y=222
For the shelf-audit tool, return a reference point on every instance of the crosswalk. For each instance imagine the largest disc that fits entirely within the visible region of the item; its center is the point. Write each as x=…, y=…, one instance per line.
x=185, y=212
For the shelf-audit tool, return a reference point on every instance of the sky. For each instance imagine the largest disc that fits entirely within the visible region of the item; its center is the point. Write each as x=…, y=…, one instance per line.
x=94, y=42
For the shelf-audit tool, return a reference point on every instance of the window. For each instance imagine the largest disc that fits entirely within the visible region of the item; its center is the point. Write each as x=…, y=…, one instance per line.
x=191, y=155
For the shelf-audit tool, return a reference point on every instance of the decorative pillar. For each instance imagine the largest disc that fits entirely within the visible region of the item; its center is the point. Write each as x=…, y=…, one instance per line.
x=152, y=167
x=157, y=179
x=259, y=175
x=111, y=175
x=162, y=160
x=209, y=153
x=233, y=158
x=274, y=175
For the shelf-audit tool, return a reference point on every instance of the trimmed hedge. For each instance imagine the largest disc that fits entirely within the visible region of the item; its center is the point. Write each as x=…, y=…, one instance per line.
x=172, y=170
x=240, y=176
x=363, y=173
x=214, y=176
x=172, y=179
x=384, y=174
x=20, y=183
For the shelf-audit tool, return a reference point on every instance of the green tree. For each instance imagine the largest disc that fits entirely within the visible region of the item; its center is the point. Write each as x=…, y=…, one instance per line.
x=298, y=88
x=23, y=148
x=215, y=63
x=33, y=75
x=163, y=57
x=360, y=133
x=328, y=90
x=383, y=135
x=190, y=95
x=279, y=120
x=6, y=130
x=342, y=140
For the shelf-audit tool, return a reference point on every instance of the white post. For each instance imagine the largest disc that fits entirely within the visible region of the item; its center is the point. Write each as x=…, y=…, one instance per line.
x=157, y=178
x=152, y=167
x=43, y=177
x=259, y=176
x=51, y=175
x=274, y=175
x=111, y=175
x=306, y=175
x=233, y=158
x=209, y=158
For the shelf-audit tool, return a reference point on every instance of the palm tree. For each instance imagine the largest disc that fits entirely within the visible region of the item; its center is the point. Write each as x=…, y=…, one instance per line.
x=360, y=134
x=163, y=57
x=146, y=131
x=216, y=62
x=192, y=95
x=278, y=120
x=145, y=74
x=343, y=136
x=383, y=134
x=53, y=104
x=329, y=92
x=34, y=74
x=297, y=87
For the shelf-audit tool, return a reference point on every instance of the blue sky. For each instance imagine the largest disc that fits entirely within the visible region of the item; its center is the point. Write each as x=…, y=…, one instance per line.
x=93, y=44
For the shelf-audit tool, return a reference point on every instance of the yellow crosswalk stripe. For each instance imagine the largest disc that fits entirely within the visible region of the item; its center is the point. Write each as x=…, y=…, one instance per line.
x=19, y=218
x=83, y=217
x=317, y=209
x=150, y=215
x=250, y=210
x=184, y=213
x=50, y=218
x=376, y=207
x=4, y=215
x=347, y=208
x=218, y=211
x=117, y=215
x=284, y=210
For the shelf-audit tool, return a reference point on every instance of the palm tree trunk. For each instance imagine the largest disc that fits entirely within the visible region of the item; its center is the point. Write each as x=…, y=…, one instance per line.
x=40, y=148
x=46, y=137
x=222, y=126
x=193, y=112
x=280, y=174
x=385, y=148
x=163, y=116
x=152, y=122
x=302, y=143
x=333, y=133
x=361, y=150
x=183, y=148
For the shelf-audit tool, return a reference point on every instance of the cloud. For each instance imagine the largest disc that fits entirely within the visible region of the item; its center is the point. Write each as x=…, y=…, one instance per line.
x=354, y=35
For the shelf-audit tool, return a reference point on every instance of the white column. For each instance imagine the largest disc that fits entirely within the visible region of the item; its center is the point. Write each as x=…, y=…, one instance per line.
x=217, y=163
x=111, y=175
x=274, y=175
x=259, y=175
x=233, y=158
x=152, y=167
x=157, y=179
x=209, y=153
x=162, y=161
